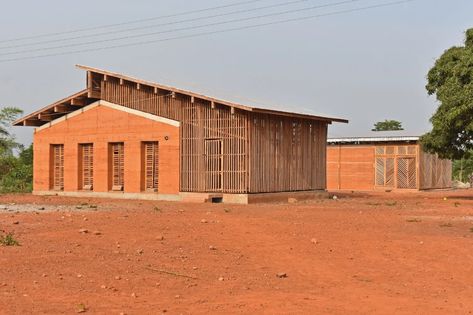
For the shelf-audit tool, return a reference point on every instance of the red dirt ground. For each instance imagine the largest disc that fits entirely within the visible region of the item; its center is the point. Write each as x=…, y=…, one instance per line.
x=372, y=253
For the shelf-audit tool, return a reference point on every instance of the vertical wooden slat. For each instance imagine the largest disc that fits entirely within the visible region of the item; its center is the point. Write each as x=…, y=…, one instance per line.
x=151, y=159
x=58, y=166
x=87, y=166
x=118, y=166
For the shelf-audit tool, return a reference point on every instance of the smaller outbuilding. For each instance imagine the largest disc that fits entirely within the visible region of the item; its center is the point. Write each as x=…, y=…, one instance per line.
x=391, y=160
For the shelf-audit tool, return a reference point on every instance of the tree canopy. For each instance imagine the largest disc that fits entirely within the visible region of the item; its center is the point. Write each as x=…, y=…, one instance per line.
x=387, y=125
x=451, y=81
x=16, y=170
x=7, y=116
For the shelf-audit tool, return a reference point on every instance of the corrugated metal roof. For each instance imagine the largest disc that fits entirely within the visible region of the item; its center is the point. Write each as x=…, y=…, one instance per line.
x=256, y=109
x=378, y=136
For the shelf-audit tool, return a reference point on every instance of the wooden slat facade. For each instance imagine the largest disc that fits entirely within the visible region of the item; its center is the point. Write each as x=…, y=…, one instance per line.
x=151, y=157
x=386, y=166
x=57, y=167
x=86, y=166
x=227, y=149
x=118, y=165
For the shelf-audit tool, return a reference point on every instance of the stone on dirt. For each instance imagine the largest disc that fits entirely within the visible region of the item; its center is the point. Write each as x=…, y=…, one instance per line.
x=292, y=200
x=281, y=275
x=83, y=231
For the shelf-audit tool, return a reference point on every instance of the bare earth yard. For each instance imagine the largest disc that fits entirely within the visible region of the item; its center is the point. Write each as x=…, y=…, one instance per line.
x=362, y=254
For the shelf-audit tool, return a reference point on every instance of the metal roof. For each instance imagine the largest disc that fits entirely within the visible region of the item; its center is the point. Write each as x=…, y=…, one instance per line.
x=264, y=110
x=80, y=99
x=378, y=136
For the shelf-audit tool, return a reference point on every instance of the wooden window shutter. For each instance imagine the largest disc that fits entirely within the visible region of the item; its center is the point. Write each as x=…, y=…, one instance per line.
x=151, y=159
x=87, y=166
x=117, y=166
x=58, y=166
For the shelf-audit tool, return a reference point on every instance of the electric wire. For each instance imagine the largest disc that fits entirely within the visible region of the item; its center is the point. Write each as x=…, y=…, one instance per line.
x=79, y=30
x=157, y=25
x=194, y=27
x=141, y=43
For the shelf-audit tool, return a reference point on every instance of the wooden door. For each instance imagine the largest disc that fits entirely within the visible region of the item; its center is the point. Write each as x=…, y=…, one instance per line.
x=58, y=167
x=118, y=161
x=151, y=150
x=87, y=160
x=213, y=165
x=406, y=173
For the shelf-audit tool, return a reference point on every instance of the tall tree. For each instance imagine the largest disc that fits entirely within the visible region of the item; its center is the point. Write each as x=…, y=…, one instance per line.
x=16, y=171
x=7, y=116
x=451, y=81
x=387, y=125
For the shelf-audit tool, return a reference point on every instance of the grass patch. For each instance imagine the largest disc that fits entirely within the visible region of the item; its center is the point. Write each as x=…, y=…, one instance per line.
x=446, y=225
x=8, y=240
x=414, y=220
x=81, y=308
x=390, y=203
x=471, y=230
x=373, y=203
x=157, y=209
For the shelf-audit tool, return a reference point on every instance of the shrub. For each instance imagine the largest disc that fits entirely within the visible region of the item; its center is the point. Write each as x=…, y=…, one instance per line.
x=8, y=240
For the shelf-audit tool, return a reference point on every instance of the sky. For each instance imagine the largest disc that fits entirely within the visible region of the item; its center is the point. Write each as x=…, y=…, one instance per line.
x=364, y=66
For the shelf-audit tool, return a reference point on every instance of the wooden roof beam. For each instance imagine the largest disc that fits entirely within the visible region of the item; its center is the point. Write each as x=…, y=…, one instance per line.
x=78, y=101
x=45, y=117
x=62, y=108
x=33, y=123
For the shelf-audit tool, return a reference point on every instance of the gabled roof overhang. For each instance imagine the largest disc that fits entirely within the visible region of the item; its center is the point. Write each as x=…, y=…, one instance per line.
x=92, y=94
x=173, y=90
x=56, y=110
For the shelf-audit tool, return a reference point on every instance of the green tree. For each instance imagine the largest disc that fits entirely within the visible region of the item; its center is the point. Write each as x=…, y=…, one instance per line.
x=16, y=170
x=451, y=81
x=387, y=125
x=463, y=168
x=7, y=140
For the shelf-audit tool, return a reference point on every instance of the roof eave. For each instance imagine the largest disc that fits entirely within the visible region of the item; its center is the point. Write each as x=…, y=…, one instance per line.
x=208, y=98
x=34, y=116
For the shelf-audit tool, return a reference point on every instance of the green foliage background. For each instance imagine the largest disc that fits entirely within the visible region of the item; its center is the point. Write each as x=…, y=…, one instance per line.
x=16, y=170
x=451, y=81
x=387, y=125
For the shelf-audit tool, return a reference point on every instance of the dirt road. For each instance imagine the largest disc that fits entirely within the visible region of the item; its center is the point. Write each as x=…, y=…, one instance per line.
x=360, y=254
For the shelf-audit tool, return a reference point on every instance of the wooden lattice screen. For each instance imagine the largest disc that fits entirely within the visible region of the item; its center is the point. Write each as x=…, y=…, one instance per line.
x=58, y=166
x=151, y=150
x=117, y=165
x=396, y=166
x=436, y=173
x=406, y=173
x=213, y=164
x=87, y=163
x=260, y=152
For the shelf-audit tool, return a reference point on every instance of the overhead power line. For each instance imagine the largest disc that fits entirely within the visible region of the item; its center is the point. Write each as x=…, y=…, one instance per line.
x=193, y=27
x=85, y=29
x=156, y=25
x=359, y=9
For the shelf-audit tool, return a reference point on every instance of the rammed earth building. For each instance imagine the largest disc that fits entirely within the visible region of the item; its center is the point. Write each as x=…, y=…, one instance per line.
x=128, y=138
